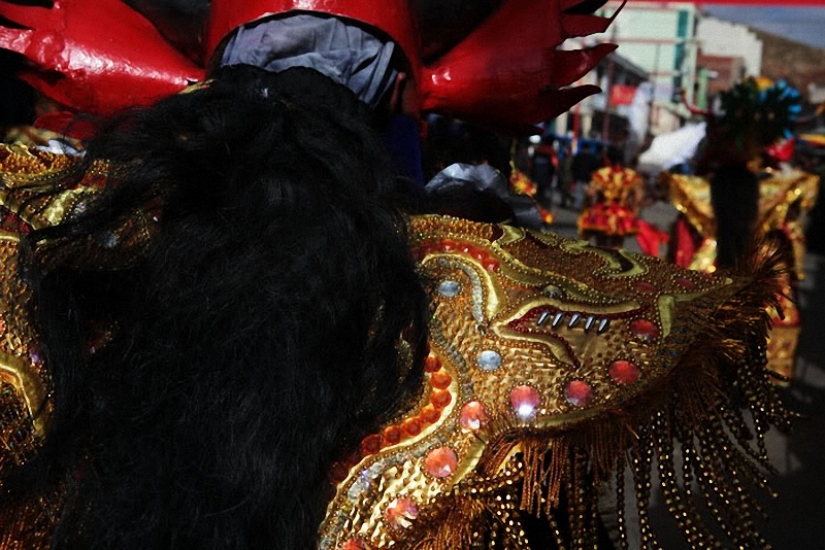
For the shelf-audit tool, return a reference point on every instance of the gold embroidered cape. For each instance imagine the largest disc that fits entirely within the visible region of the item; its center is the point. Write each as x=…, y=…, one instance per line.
x=554, y=368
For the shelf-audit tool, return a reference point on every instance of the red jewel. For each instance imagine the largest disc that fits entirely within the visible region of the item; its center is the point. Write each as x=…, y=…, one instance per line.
x=339, y=472
x=578, y=393
x=644, y=329
x=525, y=401
x=432, y=364
x=401, y=512
x=441, y=379
x=644, y=286
x=441, y=399
x=441, y=462
x=624, y=372
x=491, y=265
x=473, y=416
x=448, y=245
x=371, y=444
x=686, y=283
x=412, y=426
x=353, y=544
x=392, y=435
x=480, y=254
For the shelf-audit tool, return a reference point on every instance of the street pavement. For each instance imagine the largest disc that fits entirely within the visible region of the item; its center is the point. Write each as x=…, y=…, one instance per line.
x=797, y=513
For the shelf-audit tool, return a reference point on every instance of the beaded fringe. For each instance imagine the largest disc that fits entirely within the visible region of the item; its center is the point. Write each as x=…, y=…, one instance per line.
x=702, y=430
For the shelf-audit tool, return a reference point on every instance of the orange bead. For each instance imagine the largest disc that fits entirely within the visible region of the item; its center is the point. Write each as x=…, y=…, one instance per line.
x=371, y=444
x=430, y=414
x=392, y=435
x=412, y=426
x=339, y=472
x=441, y=379
x=432, y=363
x=441, y=399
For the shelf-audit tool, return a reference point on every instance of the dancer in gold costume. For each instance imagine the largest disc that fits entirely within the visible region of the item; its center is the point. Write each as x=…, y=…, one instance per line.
x=785, y=196
x=230, y=325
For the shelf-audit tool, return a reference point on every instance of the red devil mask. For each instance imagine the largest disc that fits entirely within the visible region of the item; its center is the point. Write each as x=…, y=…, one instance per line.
x=99, y=56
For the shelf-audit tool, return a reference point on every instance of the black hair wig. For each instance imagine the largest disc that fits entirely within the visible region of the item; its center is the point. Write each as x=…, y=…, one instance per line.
x=257, y=335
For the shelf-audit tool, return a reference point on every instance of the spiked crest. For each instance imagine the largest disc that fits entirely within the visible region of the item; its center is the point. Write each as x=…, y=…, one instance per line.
x=99, y=56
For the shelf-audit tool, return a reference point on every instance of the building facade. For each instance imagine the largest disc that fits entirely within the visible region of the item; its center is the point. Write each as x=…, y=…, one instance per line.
x=660, y=38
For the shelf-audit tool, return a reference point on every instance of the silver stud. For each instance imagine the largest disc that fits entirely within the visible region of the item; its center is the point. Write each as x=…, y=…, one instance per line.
x=557, y=319
x=573, y=320
x=107, y=239
x=449, y=289
x=543, y=317
x=552, y=291
x=589, y=322
x=603, y=324
x=489, y=360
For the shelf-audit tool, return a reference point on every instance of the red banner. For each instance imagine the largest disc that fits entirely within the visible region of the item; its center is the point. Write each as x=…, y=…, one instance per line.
x=622, y=94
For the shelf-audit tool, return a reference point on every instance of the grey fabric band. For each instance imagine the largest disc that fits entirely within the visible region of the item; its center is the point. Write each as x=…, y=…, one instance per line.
x=486, y=179
x=343, y=52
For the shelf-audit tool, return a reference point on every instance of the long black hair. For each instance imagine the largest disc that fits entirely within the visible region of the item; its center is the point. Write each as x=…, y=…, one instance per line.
x=255, y=337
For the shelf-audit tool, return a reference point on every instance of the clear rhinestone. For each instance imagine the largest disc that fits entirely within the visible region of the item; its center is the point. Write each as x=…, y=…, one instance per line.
x=489, y=360
x=449, y=289
x=107, y=239
x=552, y=291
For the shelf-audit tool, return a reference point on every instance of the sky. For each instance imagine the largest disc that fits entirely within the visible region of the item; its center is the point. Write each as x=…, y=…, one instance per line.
x=802, y=24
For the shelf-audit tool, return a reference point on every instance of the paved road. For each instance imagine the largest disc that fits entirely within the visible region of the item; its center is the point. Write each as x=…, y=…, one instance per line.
x=797, y=514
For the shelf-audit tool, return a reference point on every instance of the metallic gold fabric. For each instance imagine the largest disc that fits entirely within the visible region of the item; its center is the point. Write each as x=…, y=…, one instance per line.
x=553, y=366
x=534, y=338
x=29, y=200
x=690, y=195
x=784, y=198
x=29, y=525
x=20, y=365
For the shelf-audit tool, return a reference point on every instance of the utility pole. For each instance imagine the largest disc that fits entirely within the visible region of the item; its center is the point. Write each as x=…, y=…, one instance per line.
x=608, y=92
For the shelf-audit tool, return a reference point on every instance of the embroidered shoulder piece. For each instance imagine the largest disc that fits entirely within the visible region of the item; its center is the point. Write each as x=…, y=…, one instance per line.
x=24, y=383
x=33, y=195
x=555, y=366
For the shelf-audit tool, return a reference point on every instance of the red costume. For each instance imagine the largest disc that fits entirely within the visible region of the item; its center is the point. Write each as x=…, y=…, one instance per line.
x=614, y=204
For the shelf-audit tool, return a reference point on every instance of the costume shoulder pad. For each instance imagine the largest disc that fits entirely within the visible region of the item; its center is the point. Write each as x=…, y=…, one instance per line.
x=553, y=367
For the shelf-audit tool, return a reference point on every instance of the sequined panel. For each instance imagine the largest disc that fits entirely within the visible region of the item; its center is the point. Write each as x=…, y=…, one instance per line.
x=529, y=331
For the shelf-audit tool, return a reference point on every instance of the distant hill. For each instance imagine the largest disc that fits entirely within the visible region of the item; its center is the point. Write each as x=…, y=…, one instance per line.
x=799, y=64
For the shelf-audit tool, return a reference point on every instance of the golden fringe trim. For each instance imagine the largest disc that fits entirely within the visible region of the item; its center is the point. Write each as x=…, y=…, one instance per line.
x=703, y=427
x=457, y=528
